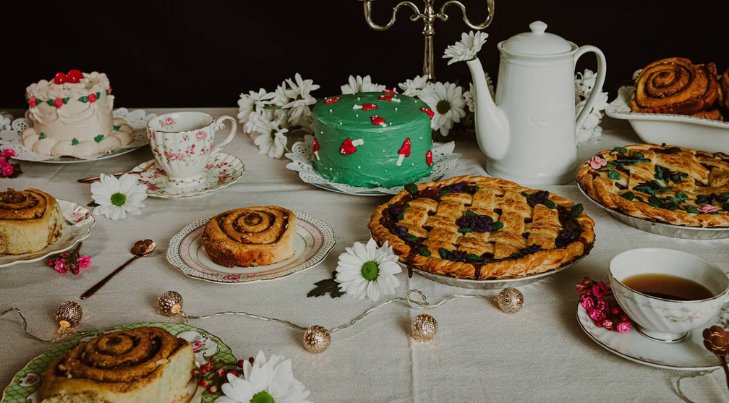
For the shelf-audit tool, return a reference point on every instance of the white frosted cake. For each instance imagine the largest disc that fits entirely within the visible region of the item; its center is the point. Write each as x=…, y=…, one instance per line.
x=71, y=116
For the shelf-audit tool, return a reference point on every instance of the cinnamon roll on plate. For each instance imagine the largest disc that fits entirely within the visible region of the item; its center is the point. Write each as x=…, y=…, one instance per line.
x=30, y=220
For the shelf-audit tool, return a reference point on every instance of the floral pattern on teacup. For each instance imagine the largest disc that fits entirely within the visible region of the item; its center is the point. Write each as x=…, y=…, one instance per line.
x=201, y=134
x=29, y=379
x=202, y=346
x=168, y=121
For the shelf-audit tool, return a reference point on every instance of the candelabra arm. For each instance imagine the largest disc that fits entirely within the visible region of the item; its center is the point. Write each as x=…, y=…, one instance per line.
x=490, y=6
x=367, y=4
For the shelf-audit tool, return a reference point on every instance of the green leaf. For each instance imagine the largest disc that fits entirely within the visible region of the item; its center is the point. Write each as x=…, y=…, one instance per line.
x=614, y=175
x=610, y=165
x=400, y=217
x=692, y=209
x=628, y=196
x=465, y=230
x=470, y=213
x=423, y=251
x=577, y=210
x=654, y=201
x=645, y=189
x=550, y=204
x=116, y=128
x=99, y=138
x=41, y=136
x=74, y=142
x=98, y=95
x=411, y=238
x=443, y=253
x=681, y=196
x=638, y=155
x=49, y=102
x=65, y=100
x=473, y=258
x=497, y=226
x=621, y=150
x=660, y=172
x=327, y=286
x=412, y=188
x=84, y=99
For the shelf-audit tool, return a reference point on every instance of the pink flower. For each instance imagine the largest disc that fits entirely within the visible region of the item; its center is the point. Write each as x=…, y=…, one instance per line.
x=600, y=289
x=197, y=345
x=607, y=324
x=596, y=316
x=588, y=304
x=586, y=281
x=597, y=162
x=201, y=135
x=83, y=261
x=8, y=153
x=624, y=327
x=60, y=266
x=580, y=287
x=601, y=305
x=708, y=209
x=615, y=310
x=6, y=169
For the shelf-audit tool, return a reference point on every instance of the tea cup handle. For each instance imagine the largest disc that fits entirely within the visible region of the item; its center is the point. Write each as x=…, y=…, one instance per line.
x=219, y=125
x=599, y=81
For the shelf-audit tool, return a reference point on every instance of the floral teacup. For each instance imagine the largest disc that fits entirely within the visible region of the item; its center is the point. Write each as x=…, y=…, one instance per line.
x=182, y=144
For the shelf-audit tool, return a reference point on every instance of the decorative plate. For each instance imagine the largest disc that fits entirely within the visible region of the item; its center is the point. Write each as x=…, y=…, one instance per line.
x=686, y=355
x=445, y=163
x=77, y=227
x=314, y=239
x=24, y=388
x=680, y=130
x=223, y=172
x=137, y=119
x=669, y=230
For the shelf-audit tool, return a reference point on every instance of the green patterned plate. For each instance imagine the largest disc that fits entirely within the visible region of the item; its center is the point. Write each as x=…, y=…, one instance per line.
x=25, y=387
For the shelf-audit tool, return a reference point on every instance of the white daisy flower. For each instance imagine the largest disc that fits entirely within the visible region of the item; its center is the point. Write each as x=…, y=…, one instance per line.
x=470, y=95
x=413, y=87
x=447, y=102
x=118, y=197
x=5, y=121
x=264, y=381
x=368, y=271
x=361, y=84
x=251, y=103
x=299, y=94
x=268, y=134
x=467, y=48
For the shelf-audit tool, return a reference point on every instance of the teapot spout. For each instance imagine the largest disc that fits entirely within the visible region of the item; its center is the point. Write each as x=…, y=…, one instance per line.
x=492, y=126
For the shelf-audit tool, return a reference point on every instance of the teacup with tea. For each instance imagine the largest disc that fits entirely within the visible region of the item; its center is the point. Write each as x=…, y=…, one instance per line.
x=666, y=292
x=183, y=144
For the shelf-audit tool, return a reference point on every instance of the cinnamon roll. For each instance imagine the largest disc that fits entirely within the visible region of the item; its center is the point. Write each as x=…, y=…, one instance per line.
x=145, y=364
x=675, y=85
x=253, y=236
x=30, y=220
x=724, y=85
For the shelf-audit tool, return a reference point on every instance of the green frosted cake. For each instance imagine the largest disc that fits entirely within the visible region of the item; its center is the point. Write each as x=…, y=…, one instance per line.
x=372, y=139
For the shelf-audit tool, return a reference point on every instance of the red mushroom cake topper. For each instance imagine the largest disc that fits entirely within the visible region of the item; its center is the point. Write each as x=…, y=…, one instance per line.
x=378, y=121
x=315, y=148
x=429, y=158
x=349, y=146
x=404, y=151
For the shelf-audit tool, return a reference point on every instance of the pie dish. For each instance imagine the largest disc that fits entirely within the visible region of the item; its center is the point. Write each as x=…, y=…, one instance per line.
x=661, y=183
x=482, y=228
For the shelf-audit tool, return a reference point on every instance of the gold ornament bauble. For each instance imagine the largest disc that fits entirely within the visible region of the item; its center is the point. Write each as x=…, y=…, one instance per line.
x=68, y=315
x=423, y=328
x=170, y=303
x=510, y=300
x=317, y=339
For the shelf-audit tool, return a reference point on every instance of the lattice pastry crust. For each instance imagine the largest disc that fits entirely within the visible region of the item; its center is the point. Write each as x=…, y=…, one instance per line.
x=476, y=227
x=674, y=185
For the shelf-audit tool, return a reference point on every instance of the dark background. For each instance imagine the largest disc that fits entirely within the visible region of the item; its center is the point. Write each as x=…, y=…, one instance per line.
x=199, y=54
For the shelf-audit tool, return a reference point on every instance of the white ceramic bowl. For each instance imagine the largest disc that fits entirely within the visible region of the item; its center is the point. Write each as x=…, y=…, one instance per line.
x=664, y=319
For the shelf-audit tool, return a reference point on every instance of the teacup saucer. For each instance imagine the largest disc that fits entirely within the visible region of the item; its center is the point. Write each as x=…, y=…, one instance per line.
x=224, y=171
x=686, y=355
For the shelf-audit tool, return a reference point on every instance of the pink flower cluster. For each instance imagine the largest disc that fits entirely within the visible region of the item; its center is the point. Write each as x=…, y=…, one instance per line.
x=70, y=261
x=596, y=298
x=8, y=170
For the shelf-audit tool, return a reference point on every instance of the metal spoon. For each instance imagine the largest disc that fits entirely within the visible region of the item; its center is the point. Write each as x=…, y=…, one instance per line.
x=140, y=249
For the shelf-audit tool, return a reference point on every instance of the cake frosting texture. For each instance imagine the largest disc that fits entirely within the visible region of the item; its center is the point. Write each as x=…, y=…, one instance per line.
x=72, y=115
x=372, y=139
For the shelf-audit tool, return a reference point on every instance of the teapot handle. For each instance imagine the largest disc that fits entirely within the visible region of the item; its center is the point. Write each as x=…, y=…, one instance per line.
x=597, y=89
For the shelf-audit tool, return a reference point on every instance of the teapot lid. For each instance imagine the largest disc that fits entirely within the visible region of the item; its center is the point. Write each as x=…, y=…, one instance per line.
x=536, y=42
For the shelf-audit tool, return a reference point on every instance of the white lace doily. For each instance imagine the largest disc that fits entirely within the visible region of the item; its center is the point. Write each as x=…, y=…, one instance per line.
x=445, y=162
x=137, y=119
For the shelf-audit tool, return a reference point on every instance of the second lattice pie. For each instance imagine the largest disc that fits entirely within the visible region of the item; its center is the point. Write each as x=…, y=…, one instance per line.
x=475, y=227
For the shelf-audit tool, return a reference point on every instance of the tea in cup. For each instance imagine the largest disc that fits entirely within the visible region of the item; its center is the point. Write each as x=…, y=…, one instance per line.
x=666, y=292
x=182, y=144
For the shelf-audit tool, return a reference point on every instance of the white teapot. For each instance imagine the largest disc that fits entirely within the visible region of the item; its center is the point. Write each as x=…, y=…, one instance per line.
x=528, y=134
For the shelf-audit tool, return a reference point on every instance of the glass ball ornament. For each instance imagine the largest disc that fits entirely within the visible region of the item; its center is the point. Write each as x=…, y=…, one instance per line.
x=423, y=328
x=68, y=315
x=317, y=339
x=510, y=300
x=170, y=303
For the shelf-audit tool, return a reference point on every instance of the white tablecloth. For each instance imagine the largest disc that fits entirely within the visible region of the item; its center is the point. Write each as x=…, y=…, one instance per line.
x=481, y=353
